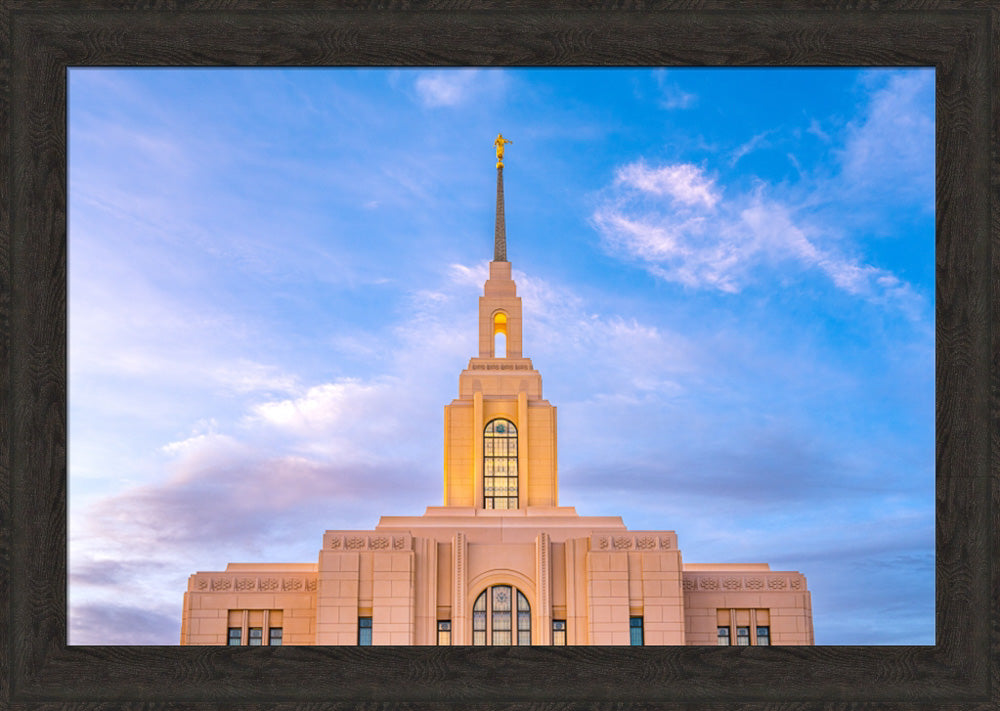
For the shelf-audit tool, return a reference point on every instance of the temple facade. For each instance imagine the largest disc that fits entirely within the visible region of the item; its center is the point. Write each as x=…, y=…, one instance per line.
x=500, y=562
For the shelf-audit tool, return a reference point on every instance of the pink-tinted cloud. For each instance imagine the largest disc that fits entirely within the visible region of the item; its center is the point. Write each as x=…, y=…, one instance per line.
x=114, y=623
x=235, y=500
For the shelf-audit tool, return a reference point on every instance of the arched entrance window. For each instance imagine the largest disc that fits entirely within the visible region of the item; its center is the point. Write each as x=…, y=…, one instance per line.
x=508, y=611
x=500, y=465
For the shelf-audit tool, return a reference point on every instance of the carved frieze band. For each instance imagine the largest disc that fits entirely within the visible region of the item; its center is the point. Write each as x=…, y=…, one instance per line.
x=500, y=366
x=632, y=542
x=361, y=542
x=723, y=582
x=253, y=583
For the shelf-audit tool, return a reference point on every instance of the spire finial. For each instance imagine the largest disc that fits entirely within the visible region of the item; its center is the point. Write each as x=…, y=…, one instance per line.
x=500, y=232
x=499, y=144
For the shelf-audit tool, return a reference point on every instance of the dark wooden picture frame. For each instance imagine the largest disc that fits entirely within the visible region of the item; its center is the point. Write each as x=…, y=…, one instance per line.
x=40, y=40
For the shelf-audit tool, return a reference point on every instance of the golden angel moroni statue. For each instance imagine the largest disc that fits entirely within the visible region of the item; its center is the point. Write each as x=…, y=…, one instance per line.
x=499, y=143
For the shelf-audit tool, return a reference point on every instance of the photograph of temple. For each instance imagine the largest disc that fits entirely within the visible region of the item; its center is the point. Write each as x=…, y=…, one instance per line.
x=501, y=561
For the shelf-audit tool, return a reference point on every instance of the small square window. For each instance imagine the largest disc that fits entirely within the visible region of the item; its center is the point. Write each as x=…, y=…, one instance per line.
x=444, y=632
x=274, y=636
x=235, y=636
x=724, y=640
x=742, y=636
x=635, y=631
x=559, y=632
x=764, y=636
x=256, y=637
x=365, y=631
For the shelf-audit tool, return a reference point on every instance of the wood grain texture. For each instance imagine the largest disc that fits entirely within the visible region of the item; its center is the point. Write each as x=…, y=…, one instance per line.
x=6, y=401
x=39, y=42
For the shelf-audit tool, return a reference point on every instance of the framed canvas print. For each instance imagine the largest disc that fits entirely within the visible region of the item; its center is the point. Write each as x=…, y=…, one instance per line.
x=725, y=274
x=271, y=266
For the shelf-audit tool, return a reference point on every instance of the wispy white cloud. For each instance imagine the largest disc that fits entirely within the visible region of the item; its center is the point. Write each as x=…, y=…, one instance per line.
x=345, y=419
x=445, y=88
x=671, y=95
x=464, y=275
x=455, y=87
x=757, y=141
x=889, y=149
x=705, y=236
x=208, y=443
x=698, y=239
x=817, y=130
x=617, y=354
x=684, y=183
x=246, y=376
x=795, y=163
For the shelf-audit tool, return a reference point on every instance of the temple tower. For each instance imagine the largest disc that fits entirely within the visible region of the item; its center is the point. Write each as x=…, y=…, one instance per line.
x=500, y=434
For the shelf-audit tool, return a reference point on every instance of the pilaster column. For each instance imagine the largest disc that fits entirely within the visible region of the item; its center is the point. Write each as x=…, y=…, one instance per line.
x=477, y=449
x=522, y=450
x=460, y=632
x=543, y=588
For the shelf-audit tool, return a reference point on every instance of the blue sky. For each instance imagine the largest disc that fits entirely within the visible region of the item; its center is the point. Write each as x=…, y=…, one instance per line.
x=727, y=278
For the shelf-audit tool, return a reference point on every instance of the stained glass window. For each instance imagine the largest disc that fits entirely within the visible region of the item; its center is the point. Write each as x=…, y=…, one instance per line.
x=479, y=619
x=501, y=615
x=523, y=620
x=500, y=465
x=497, y=605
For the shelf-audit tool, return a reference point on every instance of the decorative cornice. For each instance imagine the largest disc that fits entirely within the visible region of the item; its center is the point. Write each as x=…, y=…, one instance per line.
x=500, y=366
x=737, y=582
x=243, y=583
x=357, y=541
x=640, y=541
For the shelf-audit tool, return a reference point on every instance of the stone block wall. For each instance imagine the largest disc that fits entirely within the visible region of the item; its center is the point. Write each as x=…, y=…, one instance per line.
x=782, y=594
x=212, y=597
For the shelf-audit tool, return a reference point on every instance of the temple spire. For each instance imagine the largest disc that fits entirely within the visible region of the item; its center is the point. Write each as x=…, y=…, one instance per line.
x=500, y=231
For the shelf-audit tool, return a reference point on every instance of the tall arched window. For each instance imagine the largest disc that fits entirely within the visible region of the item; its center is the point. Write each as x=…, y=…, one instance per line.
x=500, y=345
x=508, y=611
x=500, y=465
x=499, y=329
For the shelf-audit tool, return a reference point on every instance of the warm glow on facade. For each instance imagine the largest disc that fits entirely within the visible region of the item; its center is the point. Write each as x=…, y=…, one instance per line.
x=500, y=562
